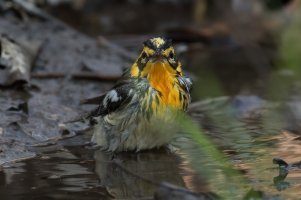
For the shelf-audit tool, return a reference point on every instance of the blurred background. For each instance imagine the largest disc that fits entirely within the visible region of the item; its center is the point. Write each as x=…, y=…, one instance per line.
x=231, y=47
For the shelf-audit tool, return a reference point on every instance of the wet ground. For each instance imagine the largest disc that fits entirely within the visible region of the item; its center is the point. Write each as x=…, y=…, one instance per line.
x=42, y=157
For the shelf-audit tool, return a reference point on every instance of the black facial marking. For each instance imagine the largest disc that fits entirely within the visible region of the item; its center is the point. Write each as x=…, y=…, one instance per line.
x=142, y=60
x=167, y=43
x=171, y=55
x=173, y=61
x=144, y=55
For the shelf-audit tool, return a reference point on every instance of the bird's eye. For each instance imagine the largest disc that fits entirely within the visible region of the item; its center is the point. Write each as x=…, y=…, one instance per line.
x=171, y=55
x=143, y=55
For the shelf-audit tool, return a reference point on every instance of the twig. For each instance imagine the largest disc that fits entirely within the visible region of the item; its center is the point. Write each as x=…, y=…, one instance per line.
x=32, y=9
x=79, y=75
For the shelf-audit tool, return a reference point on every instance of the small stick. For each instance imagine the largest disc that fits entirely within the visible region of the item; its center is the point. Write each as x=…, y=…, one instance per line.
x=79, y=75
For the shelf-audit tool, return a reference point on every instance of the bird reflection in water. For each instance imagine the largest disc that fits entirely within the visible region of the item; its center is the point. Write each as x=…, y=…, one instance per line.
x=133, y=175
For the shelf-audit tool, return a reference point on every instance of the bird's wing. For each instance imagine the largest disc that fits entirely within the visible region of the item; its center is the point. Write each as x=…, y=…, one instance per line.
x=114, y=99
x=124, y=79
x=93, y=100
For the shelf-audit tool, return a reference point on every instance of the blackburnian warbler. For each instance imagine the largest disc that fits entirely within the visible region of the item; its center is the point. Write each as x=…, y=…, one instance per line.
x=139, y=112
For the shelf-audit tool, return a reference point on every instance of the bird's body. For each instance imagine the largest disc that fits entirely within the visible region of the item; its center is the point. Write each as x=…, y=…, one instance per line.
x=139, y=112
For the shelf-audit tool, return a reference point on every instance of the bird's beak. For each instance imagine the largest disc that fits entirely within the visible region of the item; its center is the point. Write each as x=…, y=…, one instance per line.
x=158, y=58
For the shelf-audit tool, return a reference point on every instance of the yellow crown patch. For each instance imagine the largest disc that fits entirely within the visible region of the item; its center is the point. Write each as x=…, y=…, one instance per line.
x=158, y=42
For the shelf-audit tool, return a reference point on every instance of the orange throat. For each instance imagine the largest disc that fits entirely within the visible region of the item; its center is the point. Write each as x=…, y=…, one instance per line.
x=162, y=78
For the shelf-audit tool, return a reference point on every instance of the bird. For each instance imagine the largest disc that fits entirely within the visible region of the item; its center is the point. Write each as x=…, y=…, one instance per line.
x=139, y=112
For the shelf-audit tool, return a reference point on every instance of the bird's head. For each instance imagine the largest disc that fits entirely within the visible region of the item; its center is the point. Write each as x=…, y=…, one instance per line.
x=157, y=59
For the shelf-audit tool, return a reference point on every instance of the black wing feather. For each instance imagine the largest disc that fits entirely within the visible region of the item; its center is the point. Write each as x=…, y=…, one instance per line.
x=114, y=99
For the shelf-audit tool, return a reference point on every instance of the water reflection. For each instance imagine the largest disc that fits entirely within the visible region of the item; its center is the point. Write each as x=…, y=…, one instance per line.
x=136, y=175
x=284, y=170
x=74, y=174
x=279, y=181
x=59, y=175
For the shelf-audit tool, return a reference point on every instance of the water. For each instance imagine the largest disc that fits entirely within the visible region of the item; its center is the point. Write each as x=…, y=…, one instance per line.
x=78, y=171
x=83, y=173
